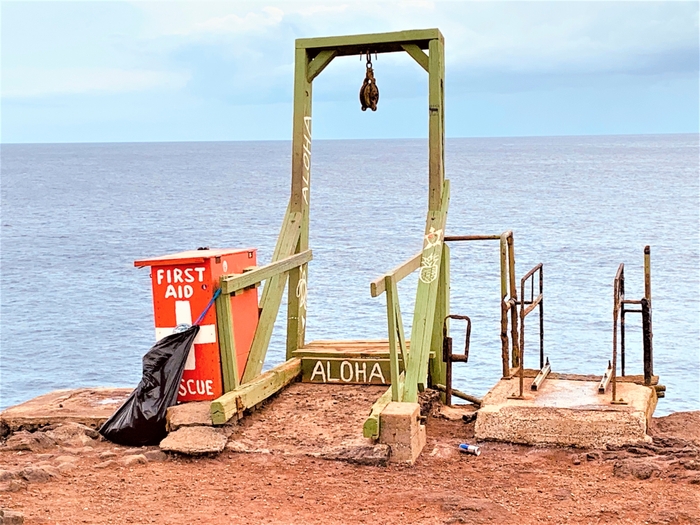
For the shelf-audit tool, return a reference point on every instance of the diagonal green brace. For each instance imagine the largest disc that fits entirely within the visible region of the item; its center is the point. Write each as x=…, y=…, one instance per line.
x=426, y=299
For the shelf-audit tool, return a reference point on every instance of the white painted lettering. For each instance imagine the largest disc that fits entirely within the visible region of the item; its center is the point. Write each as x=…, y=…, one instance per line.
x=318, y=369
x=189, y=291
x=307, y=124
x=363, y=372
x=200, y=387
x=159, y=275
x=210, y=391
x=170, y=291
x=190, y=388
x=177, y=275
x=200, y=271
x=182, y=391
x=331, y=379
x=189, y=278
x=343, y=376
x=376, y=372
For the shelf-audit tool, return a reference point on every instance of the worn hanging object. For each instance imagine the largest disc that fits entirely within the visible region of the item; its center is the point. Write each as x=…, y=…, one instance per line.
x=369, y=92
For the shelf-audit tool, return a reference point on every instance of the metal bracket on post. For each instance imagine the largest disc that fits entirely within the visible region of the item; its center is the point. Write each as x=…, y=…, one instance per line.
x=449, y=357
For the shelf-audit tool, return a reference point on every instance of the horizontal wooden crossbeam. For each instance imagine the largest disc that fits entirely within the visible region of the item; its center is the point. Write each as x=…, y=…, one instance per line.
x=235, y=282
x=378, y=286
x=250, y=394
x=373, y=43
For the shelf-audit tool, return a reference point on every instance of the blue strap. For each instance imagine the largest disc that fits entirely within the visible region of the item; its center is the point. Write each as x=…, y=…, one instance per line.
x=217, y=293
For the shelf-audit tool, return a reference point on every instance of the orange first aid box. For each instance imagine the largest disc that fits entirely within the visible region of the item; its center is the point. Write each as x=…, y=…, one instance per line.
x=183, y=284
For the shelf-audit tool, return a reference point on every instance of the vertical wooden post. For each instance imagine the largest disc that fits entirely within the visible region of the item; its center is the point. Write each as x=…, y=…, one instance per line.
x=299, y=202
x=227, y=343
x=436, y=123
x=438, y=368
x=391, y=298
x=438, y=203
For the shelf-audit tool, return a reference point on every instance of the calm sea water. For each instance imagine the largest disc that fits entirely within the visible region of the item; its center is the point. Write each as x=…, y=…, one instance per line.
x=75, y=312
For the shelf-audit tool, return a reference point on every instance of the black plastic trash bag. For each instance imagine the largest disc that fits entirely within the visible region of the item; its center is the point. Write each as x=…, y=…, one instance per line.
x=141, y=419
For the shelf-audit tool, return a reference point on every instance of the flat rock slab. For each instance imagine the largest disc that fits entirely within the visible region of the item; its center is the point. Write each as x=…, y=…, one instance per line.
x=196, y=441
x=87, y=406
x=566, y=413
x=194, y=414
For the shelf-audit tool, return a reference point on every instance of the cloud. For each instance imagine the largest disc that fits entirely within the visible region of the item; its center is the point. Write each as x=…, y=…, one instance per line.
x=243, y=52
x=28, y=82
x=251, y=22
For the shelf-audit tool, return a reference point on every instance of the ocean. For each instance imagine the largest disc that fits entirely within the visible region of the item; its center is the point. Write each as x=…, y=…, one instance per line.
x=75, y=312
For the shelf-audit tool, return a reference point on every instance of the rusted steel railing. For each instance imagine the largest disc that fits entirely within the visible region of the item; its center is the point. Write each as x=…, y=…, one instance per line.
x=450, y=357
x=528, y=303
x=620, y=310
x=510, y=348
x=618, y=307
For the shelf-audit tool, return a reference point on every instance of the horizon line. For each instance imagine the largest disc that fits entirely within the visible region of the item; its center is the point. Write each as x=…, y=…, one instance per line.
x=697, y=133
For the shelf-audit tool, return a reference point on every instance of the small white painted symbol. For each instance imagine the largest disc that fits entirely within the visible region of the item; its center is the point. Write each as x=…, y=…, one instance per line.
x=429, y=268
x=225, y=267
x=432, y=238
x=302, y=292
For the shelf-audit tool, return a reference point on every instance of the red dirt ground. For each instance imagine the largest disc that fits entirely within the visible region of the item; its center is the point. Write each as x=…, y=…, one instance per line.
x=506, y=484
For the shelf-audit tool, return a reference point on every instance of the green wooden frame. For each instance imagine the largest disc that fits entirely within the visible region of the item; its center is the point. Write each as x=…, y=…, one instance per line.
x=312, y=56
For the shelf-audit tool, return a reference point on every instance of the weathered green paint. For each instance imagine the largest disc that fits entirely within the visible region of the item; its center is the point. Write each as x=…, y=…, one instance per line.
x=346, y=370
x=370, y=429
x=437, y=366
x=272, y=297
x=396, y=334
x=247, y=396
x=227, y=343
x=378, y=286
x=418, y=55
x=235, y=282
x=436, y=124
x=319, y=63
x=426, y=298
x=300, y=195
x=374, y=42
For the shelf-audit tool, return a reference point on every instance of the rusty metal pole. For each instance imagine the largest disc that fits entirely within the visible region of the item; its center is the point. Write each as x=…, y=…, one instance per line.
x=521, y=375
x=647, y=334
x=505, y=359
x=515, y=357
x=541, y=319
x=614, y=343
x=647, y=274
x=646, y=339
x=622, y=339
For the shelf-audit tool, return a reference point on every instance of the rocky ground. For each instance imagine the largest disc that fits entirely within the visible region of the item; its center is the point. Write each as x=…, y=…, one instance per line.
x=271, y=472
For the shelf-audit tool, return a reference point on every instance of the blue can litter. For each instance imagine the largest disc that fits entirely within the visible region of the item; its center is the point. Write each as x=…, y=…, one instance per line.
x=466, y=448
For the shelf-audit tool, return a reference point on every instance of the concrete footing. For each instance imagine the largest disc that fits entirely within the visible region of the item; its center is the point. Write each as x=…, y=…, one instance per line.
x=400, y=428
x=566, y=413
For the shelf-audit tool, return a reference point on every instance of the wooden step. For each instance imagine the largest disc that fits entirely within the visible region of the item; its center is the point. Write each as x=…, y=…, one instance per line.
x=350, y=362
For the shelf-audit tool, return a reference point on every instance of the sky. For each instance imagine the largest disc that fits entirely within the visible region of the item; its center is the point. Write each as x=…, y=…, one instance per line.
x=216, y=71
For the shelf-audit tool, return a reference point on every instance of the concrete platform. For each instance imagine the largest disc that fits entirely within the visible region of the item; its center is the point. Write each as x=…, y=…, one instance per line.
x=87, y=406
x=566, y=413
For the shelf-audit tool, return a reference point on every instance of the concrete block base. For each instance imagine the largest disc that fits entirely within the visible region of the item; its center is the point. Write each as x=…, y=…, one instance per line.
x=400, y=428
x=566, y=413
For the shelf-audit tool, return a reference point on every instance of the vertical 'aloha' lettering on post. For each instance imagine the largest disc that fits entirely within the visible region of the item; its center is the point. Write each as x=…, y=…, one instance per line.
x=306, y=175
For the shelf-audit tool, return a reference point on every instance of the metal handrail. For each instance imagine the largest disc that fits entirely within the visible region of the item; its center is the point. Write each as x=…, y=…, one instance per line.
x=526, y=307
